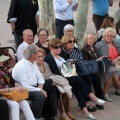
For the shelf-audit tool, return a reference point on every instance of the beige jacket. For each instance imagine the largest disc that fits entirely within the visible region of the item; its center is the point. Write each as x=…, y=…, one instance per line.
x=60, y=82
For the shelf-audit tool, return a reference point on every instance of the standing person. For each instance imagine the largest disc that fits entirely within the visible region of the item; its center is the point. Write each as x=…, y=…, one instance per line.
x=27, y=40
x=27, y=74
x=117, y=14
x=64, y=14
x=100, y=11
x=23, y=14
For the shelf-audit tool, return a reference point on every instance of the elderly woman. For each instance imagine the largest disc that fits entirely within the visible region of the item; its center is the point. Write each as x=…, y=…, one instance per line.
x=89, y=52
x=43, y=39
x=110, y=48
x=68, y=29
x=6, y=86
x=50, y=105
x=69, y=51
x=79, y=87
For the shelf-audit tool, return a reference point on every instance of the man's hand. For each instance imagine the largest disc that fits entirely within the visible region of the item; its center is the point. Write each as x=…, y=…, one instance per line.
x=19, y=89
x=75, y=6
x=70, y=2
x=44, y=93
x=40, y=86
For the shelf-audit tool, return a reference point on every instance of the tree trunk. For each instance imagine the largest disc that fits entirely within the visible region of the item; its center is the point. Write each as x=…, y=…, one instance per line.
x=80, y=18
x=47, y=15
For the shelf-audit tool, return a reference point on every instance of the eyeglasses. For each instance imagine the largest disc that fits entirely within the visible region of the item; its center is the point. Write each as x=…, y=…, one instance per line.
x=43, y=35
x=57, y=47
x=70, y=30
x=71, y=41
x=109, y=35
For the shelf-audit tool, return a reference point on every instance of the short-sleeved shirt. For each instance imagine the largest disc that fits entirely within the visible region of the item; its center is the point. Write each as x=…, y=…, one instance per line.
x=100, y=7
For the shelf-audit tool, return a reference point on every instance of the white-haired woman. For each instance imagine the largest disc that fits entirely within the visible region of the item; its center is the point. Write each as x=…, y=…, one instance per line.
x=110, y=48
x=89, y=52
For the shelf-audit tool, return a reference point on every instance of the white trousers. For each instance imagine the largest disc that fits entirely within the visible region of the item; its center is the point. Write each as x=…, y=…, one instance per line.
x=24, y=106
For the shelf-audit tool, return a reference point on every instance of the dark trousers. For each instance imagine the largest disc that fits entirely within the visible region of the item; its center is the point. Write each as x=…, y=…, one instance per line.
x=50, y=105
x=98, y=20
x=18, y=40
x=96, y=82
x=59, y=25
x=37, y=99
x=80, y=89
x=4, y=110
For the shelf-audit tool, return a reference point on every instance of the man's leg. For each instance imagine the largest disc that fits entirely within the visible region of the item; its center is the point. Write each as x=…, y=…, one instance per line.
x=18, y=40
x=4, y=110
x=37, y=99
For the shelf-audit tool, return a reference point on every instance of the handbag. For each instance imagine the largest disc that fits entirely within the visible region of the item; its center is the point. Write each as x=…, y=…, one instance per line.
x=104, y=65
x=15, y=95
x=87, y=67
x=68, y=69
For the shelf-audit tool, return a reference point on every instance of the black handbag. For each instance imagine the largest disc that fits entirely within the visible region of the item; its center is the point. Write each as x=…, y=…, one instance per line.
x=87, y=67
x=104, y=65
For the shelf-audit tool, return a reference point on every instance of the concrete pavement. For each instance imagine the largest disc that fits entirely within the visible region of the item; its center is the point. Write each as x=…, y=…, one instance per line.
x=112, y=109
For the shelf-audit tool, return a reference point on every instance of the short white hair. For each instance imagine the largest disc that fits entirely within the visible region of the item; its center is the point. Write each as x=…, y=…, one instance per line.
x=24, y=32
x=108, y=29
x=67, y=27
x=30, y=50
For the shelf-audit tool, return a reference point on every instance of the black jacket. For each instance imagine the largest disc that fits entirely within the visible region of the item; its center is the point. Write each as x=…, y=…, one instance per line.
x=52, y=64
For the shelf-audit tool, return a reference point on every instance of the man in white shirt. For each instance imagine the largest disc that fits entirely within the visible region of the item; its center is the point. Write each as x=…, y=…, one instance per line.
x=27, y=40
x=27, y=74
x=64, y=14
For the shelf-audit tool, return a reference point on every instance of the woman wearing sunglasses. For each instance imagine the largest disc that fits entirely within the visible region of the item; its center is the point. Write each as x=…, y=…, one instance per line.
x=69, y=51
x=79, y=87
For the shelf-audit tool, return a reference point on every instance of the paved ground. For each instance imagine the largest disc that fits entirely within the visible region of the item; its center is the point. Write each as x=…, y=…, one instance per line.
x=112, y=110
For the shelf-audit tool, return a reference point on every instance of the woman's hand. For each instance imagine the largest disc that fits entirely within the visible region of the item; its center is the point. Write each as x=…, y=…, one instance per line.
x=44, y=92
x=100, y=58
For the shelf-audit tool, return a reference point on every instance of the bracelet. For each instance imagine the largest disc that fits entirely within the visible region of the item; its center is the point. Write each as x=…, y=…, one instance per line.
x=8, y=90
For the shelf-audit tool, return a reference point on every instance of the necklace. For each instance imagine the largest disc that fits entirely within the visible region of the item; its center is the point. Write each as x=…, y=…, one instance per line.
x=41, y=67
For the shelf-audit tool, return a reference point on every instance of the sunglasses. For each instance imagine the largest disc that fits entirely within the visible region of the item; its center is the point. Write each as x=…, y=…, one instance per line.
x=71, y=41
x=57, y=47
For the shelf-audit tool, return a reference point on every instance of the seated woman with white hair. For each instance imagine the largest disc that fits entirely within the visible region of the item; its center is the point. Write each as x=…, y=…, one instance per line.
x=69, y=30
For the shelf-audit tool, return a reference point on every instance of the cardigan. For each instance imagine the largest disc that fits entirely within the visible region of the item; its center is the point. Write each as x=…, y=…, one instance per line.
x=88, y=53
x=102, y=47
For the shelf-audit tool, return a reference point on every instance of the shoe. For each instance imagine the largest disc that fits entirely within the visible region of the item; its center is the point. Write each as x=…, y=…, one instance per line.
x=100, y=107
x=106, y=97
x=71, y=116
x=90, y=116
x=117, y=92
x=64, y=118
x=91, y=108
x=100, y=102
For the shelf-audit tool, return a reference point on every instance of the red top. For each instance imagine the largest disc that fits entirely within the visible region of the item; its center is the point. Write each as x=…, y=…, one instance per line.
x=112, y=52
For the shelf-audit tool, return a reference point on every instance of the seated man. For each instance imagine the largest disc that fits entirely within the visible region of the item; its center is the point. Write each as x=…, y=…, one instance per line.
x=27, y=74
x=27, y=40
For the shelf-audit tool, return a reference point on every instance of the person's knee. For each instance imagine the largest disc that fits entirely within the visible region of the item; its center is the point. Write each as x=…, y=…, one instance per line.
x=14, y=105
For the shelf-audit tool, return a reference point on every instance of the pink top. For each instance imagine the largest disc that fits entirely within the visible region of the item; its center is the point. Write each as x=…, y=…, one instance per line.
x=112, y=52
